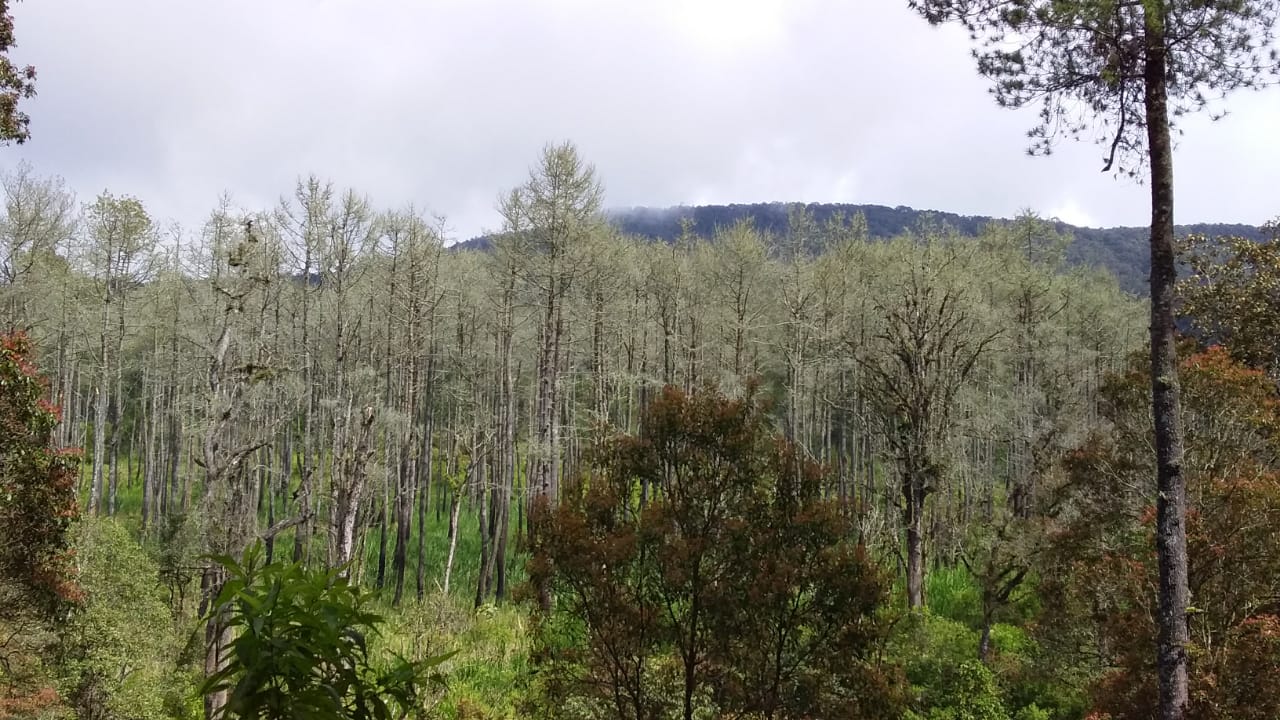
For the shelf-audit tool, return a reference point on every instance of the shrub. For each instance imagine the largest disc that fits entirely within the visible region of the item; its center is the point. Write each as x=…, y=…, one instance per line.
x=301, y=648
x=116, y=654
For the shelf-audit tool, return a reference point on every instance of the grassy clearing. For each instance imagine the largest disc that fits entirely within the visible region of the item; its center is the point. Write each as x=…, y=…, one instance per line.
x=491, y=664
x=435, y=544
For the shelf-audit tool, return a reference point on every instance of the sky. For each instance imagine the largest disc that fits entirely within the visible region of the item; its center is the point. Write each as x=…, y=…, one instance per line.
x=445, y=104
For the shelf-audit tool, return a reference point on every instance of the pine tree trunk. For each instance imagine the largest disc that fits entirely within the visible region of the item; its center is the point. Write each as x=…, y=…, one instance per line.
x=150, y=471
x=1171, y=532
x=116, y=421
x=384, y=519
x=486, y=541
x=543, y=473
x=307, y=462
x=507, y=474
x=407, y=480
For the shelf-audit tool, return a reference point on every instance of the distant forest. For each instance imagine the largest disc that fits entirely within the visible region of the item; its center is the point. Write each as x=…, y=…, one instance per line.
x=1121, y=250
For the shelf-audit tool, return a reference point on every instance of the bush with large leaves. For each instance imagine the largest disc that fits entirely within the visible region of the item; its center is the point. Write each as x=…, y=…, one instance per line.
x=301, y=648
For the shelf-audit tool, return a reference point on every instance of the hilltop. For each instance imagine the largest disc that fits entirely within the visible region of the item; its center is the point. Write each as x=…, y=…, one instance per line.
x=1121, y=250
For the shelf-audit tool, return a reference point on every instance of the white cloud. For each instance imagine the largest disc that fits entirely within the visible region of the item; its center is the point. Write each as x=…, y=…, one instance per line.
x=445, y=103
x=1069, y=211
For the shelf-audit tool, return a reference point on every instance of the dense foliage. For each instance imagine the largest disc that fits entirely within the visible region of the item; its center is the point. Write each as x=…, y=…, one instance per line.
x=302, y=648
x=16, y=83
x=37, y=506
x=1232, y=294
x=1100, y=566
x=772, y=469
x=37, y=485
x=120, y=654
x=700, y=570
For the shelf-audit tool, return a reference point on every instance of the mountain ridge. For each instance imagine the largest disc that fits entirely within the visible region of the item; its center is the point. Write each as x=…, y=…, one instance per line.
x=1123, y=250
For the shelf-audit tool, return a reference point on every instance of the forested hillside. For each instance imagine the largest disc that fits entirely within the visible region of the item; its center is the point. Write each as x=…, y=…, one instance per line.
x=312, y=458
x=322, y=380
x=1122, y=251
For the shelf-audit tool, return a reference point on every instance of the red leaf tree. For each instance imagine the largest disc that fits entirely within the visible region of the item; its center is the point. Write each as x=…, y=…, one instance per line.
x=700, y=569
x=37, y=485
x=37, y=506
x=1101, y=584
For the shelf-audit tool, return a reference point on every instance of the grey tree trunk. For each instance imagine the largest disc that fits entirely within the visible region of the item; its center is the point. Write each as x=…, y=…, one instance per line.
x=100, y=417
x=544, y=438
x=426, y=471
x=348, y=491
x=116, y=421
x=384, y=519
x=913, y=525
x=1171, y=531
x=455, y=508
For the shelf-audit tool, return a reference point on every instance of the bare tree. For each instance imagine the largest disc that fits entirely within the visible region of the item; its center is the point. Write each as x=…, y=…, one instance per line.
x=116, y=251
x=1132, y=67
x=241, y=416
x=924, y=350
x=39, y=221
x=548, y=221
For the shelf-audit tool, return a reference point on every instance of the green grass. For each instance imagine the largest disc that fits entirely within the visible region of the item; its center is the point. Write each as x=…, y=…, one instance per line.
x=435, y=544
x=952, y=593
x=466, y=567
x=491, y=645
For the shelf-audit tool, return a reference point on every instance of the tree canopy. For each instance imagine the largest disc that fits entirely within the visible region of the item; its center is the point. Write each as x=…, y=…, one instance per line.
x=1084, y=61
x=17, y=83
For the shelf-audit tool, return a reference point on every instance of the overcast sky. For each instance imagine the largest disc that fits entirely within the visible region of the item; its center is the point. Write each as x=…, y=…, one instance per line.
x=445, y=103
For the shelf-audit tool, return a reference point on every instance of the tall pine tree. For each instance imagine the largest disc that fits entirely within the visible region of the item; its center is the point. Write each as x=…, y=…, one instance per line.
x=1130, y=68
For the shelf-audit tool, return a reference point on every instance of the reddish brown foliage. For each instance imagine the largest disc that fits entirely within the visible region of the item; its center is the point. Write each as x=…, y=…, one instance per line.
x=700, y=565
x=1101, y=587
x=28, y=705
x=16, y=83
x=37, y=484
x=37, y=505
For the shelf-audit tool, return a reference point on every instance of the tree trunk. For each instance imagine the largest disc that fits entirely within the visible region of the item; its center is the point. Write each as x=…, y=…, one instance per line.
x=173, y=447
x=1171, y=532
x=217, y=636
x=913, y=524
x=506, y=459
x=384, y=519
x=404, y=506
x=984, y=640
x=150, y=471
x=116, y=421
x=501, y=519
x=543, y=475
x=306, y=469
x=425, y=472
x=100, y=424
x=486, y=548
x=455, y=507
x=424, y=500
x=348, y=492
